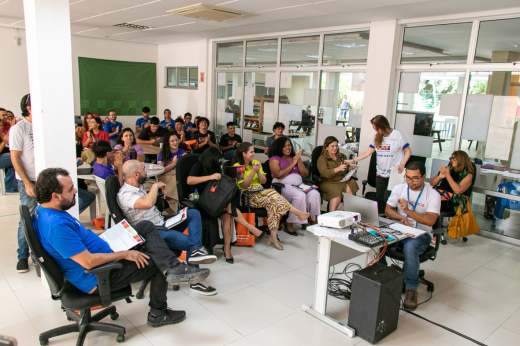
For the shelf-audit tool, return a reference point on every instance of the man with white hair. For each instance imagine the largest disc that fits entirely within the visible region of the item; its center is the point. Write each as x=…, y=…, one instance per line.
x=137, y=205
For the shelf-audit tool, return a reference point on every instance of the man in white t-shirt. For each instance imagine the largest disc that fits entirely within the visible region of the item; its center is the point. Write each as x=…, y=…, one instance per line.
x=343, y=107
x=415, y=205
x=22, y=157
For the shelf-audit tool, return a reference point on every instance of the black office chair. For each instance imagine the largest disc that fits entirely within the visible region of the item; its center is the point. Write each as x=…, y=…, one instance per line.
x=72, y=299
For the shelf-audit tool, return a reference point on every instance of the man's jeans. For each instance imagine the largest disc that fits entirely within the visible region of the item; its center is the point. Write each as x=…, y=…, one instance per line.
x=412, y=248
x=229, y=154
x=10, y=181
x=176, y=240
x=113, y=143
x=30, y=202
x=85, y=199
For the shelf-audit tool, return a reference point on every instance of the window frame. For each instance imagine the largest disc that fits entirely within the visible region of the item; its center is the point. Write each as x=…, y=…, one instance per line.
x=177, y=77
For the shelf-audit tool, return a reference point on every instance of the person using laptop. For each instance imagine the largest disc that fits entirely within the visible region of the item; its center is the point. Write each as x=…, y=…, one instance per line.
x=415, y=205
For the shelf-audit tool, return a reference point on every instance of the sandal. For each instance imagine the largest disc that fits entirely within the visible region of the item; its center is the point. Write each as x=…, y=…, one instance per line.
x=277, y=245
x=302, y=216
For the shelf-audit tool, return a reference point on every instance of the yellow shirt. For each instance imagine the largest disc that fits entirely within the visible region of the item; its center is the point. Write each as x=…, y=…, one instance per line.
x=248, y=169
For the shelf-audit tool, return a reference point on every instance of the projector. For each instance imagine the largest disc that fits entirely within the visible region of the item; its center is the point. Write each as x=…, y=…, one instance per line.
x=339, y=219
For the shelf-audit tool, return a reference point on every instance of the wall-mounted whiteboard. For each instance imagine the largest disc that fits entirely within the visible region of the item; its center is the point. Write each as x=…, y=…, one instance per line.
x=331, y=130
x=450, y=105
x=409, y=82
x=503, y=112
x=498, y=145
x=249, y=97
x=476, y=117
x=436, y=163
x=286, y=80
x=420, y=145
x=268, y=117
x=270, y=79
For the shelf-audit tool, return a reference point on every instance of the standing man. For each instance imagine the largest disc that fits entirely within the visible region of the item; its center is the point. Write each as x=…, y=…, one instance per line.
x=344, y=105
x=142, y=123
x=113, y=128
x=22, y=156
x=167, y=123
x=229, y=142
x=415, y=205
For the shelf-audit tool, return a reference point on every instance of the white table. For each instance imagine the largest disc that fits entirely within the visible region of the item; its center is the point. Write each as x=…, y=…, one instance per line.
x=325, y=261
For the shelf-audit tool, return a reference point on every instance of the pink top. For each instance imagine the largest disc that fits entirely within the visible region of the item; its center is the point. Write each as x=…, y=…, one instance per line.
x=138, y=149
x=284, y=164
x=101, y=136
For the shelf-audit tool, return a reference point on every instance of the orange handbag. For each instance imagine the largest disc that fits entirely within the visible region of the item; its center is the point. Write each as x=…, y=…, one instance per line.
x=244, y=238
x=463, y=224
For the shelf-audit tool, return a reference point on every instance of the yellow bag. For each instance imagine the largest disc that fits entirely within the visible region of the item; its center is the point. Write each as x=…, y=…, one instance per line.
x=463, y=224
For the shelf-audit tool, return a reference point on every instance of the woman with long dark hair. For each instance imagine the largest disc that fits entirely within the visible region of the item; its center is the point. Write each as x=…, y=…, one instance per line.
x=393, y=150
x=126, y=141
x=167, y=158
x=208, y=168
x=95, y=133
x=275, y=204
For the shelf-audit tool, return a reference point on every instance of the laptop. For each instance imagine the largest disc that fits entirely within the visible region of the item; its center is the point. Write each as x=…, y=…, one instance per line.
x=367, y=208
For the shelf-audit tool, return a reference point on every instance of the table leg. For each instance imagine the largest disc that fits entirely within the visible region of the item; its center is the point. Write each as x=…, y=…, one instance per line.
x=439, y=138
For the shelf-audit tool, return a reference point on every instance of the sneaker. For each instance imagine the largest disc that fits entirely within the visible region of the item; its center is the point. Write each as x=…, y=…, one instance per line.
x=410, y=300
x=22, y=266
x=168, y=317
x=186, y=273
x=204, y=289
x=201, y=256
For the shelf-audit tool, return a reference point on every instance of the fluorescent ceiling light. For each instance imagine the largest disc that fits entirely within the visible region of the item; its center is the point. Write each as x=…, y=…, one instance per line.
x=140, y=20
x=349, y=45
x=268, y=49
x=79, y=32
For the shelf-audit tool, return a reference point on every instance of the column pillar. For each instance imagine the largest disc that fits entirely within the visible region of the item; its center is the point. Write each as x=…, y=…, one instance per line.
x=49, y=57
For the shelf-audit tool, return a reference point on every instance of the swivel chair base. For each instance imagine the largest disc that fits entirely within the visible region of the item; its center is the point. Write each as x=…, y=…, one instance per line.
x=429, y=285
x=85, y=323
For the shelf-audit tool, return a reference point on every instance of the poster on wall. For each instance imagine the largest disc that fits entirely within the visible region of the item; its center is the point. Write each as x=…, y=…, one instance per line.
x=123, y=86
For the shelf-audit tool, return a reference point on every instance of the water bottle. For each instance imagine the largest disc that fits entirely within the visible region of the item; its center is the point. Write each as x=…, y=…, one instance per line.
x=132, y=154
x=196, y=194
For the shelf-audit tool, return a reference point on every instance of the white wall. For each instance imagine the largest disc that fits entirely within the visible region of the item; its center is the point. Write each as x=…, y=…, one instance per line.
x=180, y=101
x=14, y=78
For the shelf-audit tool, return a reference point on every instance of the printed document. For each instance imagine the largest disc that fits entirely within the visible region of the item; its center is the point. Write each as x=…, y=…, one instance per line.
x=122, y=237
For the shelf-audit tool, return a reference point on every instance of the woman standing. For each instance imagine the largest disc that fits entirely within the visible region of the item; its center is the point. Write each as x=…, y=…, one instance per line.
x=288, y=168
x=393, y=150
x=126, y=142
x=333, y=167
x=269, y=199
x=94, y=134
x=167, y=158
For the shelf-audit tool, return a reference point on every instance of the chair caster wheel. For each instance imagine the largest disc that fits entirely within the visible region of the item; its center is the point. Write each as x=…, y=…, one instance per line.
x=44, y=342
x=429, y=289
x=120, y=338
x=464, y=239
x=69, y=319
x=114, y=316
x=444, y=242
x=139, y=295
x=176, y=287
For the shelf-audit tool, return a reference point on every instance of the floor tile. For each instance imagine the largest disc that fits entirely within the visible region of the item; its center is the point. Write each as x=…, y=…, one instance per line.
x=513, y=322
x=301, y=330
x=200, y=328
x=454, y=269
x=241, y=342
x=133, y=337
x=4, y=285
x=37, y=301
x=494, y=282
x=479, y=303
x=248, y=310
x=257, y=269
x=502, y=337
x=239, y=253
x=309, y=270
x=294, y=255
x=24, y=333
x=12, y=312
x=441, y=282
x=292, y=289
x=506, y=263
x=21, y=280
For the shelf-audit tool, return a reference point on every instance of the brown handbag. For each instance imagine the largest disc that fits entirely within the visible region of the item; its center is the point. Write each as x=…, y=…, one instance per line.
x=463, y=224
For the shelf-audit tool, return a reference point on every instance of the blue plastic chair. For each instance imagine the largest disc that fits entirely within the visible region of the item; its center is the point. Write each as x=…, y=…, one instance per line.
x=511, y=188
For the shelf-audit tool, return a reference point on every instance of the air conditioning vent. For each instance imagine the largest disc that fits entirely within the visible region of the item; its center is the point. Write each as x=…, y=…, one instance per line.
x=211, y=12
x=132, y=26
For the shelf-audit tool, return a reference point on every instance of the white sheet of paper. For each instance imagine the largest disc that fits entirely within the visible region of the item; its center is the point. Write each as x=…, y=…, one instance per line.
x=476, y=117
x=396, y=178
x=238, y=93
x=498, y=144
x=286, y=80
x=221, y=106
x=421, y=145
x=247, y=136
x=221, y=78
x=515, y=155
x=331, y=130
x=328, y=117
x=503, y=111
x=249, y=97
x=450, y=104
x=270, y=80
x=409, y=82
x=182, y=215
x=121, y=237
x=331, y=232
x=349, y=175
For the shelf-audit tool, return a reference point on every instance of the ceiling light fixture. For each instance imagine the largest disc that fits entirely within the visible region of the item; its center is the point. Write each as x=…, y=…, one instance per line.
x=120, y=10
x=140, y=20
x=132, y=26
x=79, y=32
x=17, y=22
x=349, y=45
x=227, y=2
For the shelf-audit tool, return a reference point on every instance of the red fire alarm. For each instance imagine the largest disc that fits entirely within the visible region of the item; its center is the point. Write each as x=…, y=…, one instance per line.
x=202, y=77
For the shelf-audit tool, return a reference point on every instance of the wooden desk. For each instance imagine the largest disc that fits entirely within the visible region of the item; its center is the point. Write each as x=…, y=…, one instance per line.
x=150, y=149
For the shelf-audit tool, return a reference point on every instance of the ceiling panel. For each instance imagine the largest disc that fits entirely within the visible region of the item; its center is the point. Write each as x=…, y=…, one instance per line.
x=11, y=9
x=398, y=2
x=255, y=5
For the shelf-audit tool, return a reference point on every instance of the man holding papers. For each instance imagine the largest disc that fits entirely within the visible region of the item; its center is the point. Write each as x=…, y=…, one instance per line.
x=75, y=249
x=137, y=205
x=415, y=205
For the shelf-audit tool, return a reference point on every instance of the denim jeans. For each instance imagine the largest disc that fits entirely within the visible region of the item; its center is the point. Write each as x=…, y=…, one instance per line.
x=113, y=143
x=229, y=154
x=412, y=248
x=23, y=248
x=10, y=181
x=176, y=240
x=85, y=199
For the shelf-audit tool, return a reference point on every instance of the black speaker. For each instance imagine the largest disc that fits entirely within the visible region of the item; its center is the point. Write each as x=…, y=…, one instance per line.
x=375, y=301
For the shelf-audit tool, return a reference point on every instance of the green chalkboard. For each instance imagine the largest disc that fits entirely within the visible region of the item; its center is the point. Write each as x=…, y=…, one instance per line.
x=123, y=86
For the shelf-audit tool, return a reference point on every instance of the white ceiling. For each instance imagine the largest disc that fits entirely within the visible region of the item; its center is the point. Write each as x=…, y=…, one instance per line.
x=95, y=18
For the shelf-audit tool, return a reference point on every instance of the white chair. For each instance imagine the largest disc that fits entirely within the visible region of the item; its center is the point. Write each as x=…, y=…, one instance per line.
x=2, y=180
x=101, y=186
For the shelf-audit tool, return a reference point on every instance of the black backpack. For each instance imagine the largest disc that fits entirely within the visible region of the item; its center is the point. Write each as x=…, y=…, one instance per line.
x=217, y=195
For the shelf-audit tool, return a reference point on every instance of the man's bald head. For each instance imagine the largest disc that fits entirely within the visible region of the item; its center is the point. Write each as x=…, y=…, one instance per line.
x=130, y=167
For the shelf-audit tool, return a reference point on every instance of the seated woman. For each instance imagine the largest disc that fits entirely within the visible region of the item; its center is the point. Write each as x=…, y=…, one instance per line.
x=126, y=142
x=288, y=168
x=332, y=169
x=455, y=180
x=167, y=158
x=269, y=199
x=208, y=168
x=95, y=133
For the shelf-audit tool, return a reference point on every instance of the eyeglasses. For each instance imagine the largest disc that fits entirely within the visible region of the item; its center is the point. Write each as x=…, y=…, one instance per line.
x=414, y=179
x=452, y=158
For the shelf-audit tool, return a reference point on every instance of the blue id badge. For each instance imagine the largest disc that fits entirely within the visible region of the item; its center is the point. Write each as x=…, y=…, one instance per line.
x=413, y=222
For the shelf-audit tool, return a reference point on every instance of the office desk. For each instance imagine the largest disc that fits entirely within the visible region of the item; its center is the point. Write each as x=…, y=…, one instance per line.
x=331, y=251
x=150, y=149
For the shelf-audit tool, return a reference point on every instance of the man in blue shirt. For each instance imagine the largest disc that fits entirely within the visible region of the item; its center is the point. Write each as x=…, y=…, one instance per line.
x=167, y=123
x=188, y=125
x=106, y=161
x=142, y=123
x=113, y=128
x=75, y=249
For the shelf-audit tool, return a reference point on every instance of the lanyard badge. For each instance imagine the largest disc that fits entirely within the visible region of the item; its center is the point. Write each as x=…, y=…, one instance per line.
x=414, y=206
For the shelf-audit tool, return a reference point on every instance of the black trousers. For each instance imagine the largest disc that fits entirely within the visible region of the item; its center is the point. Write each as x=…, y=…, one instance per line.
x=381, y=187
x=161, y=259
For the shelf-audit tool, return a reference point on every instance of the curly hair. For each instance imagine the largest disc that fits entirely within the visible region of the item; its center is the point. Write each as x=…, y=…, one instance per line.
x=276, y=149
x=48, y=183
x=166, y=152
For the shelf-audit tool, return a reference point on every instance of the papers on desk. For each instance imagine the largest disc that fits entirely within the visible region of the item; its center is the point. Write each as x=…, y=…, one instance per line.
x=409, y=231
x=349, y=174
x=122, y=237
x=331, y=232
x=177, y=219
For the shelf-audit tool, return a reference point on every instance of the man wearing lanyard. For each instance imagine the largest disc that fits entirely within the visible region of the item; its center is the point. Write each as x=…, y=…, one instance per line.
x=415, y=205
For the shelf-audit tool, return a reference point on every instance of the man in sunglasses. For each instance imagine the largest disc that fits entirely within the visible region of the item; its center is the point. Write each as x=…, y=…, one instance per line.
x=415, y=205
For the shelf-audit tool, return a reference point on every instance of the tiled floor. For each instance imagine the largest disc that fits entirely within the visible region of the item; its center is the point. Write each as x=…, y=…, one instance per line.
x=477, y=293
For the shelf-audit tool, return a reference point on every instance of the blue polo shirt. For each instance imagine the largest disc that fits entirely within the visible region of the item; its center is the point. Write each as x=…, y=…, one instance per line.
x=103, y=171
x=188, y=125
x=109, y=127
x=141, y=121
x=170, y=123
x=63, y=237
